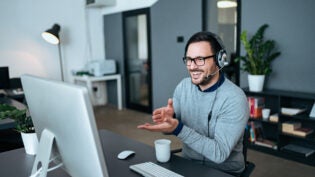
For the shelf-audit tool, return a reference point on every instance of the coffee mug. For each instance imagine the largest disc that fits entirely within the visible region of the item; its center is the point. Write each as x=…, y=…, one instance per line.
x=162, y=150
x=265, y=113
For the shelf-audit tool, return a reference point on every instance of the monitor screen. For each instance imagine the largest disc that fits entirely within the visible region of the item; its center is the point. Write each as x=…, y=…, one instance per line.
x=64, y=111
x=4, y=78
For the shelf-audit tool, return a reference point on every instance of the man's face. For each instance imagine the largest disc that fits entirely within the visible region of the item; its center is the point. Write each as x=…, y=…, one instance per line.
x=201, y=75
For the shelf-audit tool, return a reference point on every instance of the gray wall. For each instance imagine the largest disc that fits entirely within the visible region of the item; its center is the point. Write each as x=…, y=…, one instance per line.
x=170, y=19
x=292, y=26
x=114, y=50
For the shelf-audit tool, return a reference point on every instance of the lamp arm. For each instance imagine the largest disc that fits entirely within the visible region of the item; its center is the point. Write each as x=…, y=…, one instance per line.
x=60, y=61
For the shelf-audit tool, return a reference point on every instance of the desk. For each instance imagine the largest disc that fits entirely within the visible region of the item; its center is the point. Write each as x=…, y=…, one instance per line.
x=17, y=163
x=16, y=94
x=89, y=80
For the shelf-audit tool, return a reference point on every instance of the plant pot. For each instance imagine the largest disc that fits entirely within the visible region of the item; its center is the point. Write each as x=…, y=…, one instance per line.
x=256, y=82
x=30, y=142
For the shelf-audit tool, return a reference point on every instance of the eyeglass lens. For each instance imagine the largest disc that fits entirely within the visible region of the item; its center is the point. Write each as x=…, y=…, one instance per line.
x=197, y=61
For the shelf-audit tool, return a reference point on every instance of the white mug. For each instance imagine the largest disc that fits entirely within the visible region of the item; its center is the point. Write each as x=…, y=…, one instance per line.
x=265, y=113
x=162, y=150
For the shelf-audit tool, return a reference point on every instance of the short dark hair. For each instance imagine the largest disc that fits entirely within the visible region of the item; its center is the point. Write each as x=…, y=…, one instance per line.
x=214, y=40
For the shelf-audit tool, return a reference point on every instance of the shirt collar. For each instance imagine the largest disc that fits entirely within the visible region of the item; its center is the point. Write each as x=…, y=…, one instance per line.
x=216, y=85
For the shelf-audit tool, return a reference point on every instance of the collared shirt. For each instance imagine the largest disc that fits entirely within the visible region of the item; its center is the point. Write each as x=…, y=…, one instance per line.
x=216, y=85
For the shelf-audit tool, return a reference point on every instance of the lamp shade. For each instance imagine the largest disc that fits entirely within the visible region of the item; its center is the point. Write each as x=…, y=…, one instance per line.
x=52, y=35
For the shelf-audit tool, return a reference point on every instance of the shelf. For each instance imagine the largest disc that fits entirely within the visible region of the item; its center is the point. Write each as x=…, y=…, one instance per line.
x=299, y=151
x=263, y=148
x=263, y=121
x=282, y=93
x=310, y=137
x=266, y=143
x=275, y=100
x=303, y=117
x=283, y=154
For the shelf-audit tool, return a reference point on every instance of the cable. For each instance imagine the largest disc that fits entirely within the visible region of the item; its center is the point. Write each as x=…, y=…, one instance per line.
x=209, y=118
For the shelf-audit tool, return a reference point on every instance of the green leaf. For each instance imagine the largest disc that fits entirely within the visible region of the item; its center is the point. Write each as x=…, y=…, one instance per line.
x=23, y=121
x=259, y=52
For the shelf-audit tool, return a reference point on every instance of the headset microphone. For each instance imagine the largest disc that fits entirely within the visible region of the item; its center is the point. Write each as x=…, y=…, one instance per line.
x=214, y=73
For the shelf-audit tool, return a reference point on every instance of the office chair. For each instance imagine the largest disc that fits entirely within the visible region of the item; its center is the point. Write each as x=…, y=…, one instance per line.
x=249, y=166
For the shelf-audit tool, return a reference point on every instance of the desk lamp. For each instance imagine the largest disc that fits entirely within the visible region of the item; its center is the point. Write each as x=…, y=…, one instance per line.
x=52, y=36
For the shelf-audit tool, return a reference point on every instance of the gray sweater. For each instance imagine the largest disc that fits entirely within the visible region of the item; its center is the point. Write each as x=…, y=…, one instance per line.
x=218, y=142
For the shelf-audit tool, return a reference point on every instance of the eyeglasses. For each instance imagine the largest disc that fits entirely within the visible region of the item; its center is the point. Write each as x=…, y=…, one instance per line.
x=199, y=61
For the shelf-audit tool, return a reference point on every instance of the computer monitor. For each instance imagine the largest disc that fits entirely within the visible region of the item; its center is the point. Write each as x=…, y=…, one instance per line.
x=64, y=122
x=4, y=78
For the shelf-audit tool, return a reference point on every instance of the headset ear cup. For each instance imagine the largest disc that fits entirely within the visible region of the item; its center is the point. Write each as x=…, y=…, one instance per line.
x=221, y=58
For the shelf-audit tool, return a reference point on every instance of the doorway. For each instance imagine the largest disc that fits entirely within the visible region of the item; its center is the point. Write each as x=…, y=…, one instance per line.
x=223, y=18
x=137, y=60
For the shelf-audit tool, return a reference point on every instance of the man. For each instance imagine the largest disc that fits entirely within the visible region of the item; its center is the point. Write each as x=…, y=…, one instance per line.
x=208, y=113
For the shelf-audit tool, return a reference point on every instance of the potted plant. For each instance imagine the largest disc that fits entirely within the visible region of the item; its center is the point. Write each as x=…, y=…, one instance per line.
x=23, y=124
x=259, y=55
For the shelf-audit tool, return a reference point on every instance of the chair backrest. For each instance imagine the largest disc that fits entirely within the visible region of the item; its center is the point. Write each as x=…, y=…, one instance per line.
x=249, y=166
x=245, y=143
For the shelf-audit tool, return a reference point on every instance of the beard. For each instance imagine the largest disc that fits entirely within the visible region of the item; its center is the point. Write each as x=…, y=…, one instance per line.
x=206, y=80
x=203, y=80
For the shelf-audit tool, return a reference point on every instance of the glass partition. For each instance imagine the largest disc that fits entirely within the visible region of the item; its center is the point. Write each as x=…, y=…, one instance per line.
x=137, y=60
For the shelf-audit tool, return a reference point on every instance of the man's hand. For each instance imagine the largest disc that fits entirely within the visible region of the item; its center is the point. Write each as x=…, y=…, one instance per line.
x=163, y=119
x=160, y=115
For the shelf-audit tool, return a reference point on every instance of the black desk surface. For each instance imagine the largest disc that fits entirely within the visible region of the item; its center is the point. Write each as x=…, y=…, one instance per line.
x=16, y=163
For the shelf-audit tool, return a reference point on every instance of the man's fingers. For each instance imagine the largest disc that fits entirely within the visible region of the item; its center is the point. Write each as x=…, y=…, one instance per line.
x=157, y=111
x=143, y=125
x=170, y=103
x=147, y=126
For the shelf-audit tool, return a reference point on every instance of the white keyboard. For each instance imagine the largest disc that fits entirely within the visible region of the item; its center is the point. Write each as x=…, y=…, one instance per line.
x=150, y=169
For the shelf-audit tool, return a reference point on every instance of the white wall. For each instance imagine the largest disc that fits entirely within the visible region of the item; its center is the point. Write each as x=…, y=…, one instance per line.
x=23, y=49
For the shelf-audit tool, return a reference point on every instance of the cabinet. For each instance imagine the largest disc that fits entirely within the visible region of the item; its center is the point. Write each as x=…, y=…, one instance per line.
x=273, y=131
x=89, y=82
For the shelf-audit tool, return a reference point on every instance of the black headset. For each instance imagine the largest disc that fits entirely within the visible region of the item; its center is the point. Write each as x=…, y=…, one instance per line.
x=220, y=56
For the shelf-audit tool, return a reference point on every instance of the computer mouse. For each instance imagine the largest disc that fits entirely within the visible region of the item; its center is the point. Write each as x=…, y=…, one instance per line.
x=124, y=154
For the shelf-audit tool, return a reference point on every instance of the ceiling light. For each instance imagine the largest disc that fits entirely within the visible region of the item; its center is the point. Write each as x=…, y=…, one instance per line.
x=226, y=4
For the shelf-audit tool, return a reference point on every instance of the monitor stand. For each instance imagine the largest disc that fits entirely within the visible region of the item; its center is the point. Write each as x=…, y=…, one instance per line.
x=45, y=151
